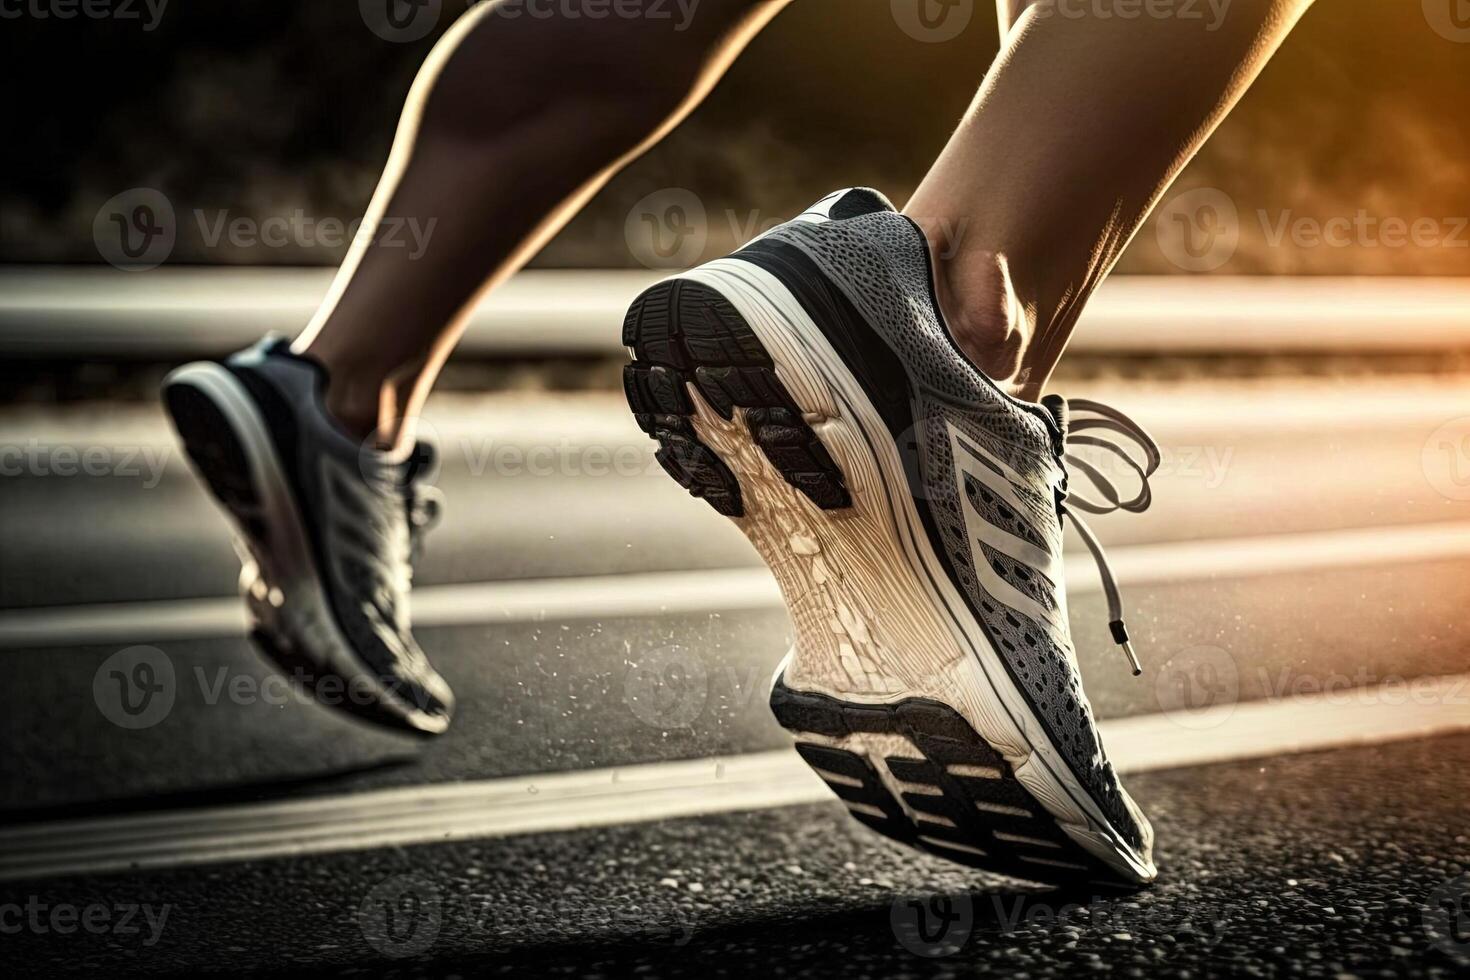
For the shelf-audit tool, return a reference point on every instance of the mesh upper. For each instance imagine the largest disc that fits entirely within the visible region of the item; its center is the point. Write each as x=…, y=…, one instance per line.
x=879, y=261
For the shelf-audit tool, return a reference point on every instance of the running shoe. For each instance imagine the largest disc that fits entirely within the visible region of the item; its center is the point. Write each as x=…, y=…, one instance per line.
x=327, y=529
x=911, y=511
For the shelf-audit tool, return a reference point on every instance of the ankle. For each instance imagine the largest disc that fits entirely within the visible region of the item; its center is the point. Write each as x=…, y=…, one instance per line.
x=354, y=397
x=987, y=319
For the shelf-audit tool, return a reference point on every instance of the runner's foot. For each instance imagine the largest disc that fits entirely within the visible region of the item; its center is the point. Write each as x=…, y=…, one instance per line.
x=911, y=511
x=328, y=532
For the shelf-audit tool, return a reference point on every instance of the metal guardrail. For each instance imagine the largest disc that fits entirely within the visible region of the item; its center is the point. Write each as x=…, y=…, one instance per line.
x=64, y=312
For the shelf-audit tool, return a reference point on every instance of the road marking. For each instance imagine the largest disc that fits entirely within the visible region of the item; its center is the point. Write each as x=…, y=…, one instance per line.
x=734, y=589
x=539, y=312
x=666, y=790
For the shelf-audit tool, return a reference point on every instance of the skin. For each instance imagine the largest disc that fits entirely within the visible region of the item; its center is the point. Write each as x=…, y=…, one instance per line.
x=1079, y=126
x=1027, y=219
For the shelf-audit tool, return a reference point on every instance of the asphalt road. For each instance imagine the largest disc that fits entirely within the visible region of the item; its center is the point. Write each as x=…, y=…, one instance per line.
x=564, y=487
x=1316, y=865
x=1345, y=864
x=560, y=485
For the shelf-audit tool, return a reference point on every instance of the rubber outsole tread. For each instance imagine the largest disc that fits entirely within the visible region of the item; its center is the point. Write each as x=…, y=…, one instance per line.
x=958, y=794
x=683, y=333
x=215, y=450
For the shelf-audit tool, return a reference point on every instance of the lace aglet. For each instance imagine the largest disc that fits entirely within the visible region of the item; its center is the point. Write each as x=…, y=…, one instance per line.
x=1132, y=659
x=1120, y=636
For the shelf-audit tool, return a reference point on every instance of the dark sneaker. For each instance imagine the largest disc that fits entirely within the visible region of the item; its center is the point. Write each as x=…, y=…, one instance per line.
x=911, y=511
x=327, y=530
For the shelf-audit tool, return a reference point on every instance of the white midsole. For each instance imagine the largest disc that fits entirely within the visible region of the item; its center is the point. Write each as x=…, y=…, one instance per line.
x=285, y=560
x=975, y=681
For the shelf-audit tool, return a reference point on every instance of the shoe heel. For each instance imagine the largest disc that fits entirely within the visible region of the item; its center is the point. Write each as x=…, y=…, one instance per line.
x=211, y=442
x=685, y=333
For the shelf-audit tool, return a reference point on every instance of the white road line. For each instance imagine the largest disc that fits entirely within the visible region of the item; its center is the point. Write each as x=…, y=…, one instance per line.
x=659, y=791
x=67, y=311
x=672, y=593
x=519, y=601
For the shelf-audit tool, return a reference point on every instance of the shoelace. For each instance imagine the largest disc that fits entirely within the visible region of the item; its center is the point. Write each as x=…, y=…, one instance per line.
x=425, y=503
x=1076, y=417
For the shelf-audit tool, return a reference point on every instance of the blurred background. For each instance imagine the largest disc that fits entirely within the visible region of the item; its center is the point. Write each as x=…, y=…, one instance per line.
x=272, y=107
x=1292, y=324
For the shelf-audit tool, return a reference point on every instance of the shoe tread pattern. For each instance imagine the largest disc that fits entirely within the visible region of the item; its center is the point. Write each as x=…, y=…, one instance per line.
x=956, y=789
x=685, y=333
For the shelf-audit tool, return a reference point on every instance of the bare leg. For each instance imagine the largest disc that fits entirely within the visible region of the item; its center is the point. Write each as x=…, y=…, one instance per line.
x=512, y=125
x=1080, y=126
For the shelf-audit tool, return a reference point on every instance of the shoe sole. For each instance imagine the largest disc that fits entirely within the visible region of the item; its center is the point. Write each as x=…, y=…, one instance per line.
x=898, y=702
x=229, y=447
